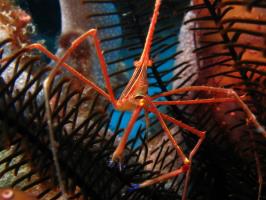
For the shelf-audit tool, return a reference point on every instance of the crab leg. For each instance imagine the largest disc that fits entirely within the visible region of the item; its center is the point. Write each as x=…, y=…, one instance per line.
x=250, y=116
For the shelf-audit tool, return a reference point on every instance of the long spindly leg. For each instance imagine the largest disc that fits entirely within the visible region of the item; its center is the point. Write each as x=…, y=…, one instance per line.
x=182, y=125
x=230, y=92
x=48, y=82
x=152, y=108
x=75, y=44
x=74, y=72
x=47, y=85
x=118, y=153
x=47, y=104
x=199, y=101
x=61, y=62
x=187, y=161
x=200, y=134
x=191, y=155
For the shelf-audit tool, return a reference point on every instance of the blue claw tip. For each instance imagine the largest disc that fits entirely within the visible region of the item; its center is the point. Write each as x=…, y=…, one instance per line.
x=133, y=187
x=111, y=163
x=120, y=166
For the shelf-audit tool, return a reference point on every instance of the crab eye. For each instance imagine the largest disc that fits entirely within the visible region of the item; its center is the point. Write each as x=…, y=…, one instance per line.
x=138, y=97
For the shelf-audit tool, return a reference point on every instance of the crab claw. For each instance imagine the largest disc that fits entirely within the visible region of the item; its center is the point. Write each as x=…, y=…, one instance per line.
x=116, y=161
x=133, y=187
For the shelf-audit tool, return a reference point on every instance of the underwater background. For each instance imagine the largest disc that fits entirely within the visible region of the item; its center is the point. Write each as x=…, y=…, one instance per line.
x=228, y=163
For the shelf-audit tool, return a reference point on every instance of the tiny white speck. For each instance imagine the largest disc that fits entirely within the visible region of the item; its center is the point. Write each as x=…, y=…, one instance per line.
x=260, y=130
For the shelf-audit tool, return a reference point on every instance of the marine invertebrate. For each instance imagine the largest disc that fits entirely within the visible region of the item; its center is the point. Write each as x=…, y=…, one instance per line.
x=82, y=136
x=14, y=22
x=135, y=97
x=159, y=163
